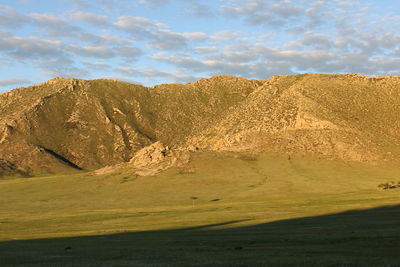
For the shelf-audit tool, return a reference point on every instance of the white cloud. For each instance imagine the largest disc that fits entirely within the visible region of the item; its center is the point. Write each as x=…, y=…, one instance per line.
x=106, y=52
x=103, y=5
x=129, y=52
x=54, y=26
x=349, y=3
x=157, y=34
x=184, y=61
x=151, y=74
x=251, y=38
x=139, y=27
x=311, y=40
x=30, y=47
x=141, y=72
x=9, y=18
x=14, y=82
x=92, y=51
x=154, y=3
x=200, y=10
x=205, y=49
x=224, y=36
x=99, y=65
x=91, y=18
x=62, y=67
x=167, y=40
x=195, y=36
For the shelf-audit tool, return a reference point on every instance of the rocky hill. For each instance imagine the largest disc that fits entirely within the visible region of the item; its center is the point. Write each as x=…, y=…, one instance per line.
x=69, y=124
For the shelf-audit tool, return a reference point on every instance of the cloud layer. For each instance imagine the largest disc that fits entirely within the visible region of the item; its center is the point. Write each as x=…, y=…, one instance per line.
x=153, y=41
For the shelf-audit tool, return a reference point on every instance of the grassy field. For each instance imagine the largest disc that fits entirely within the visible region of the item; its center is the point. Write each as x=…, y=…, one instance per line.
x=218, y=210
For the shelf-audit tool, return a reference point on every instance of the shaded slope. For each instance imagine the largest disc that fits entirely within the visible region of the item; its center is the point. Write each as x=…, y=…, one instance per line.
x=342, y=239
x=8, y=169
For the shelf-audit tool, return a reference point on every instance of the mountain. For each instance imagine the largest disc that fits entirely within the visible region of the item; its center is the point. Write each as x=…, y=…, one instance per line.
x=64, y=125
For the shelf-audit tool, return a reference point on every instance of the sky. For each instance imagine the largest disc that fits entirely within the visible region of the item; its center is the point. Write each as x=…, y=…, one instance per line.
x=161, y=41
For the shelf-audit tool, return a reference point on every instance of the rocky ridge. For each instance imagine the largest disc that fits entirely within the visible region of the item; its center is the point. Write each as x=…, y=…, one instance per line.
x=71, y=124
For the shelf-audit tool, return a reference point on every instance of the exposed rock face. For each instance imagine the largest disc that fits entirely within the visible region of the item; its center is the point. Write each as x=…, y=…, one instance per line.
x=67, y=124
x=156, y=158
x=152, y=154
x=151, y=160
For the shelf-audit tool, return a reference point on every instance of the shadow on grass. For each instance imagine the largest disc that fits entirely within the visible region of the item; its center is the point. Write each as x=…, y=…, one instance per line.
x=357, y=238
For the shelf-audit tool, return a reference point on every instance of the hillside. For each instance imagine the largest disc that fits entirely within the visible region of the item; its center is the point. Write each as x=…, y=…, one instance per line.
x=351, y=117
x=65, y=125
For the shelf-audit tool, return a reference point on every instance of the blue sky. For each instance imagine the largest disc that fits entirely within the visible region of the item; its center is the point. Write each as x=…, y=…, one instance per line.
x=158, y=41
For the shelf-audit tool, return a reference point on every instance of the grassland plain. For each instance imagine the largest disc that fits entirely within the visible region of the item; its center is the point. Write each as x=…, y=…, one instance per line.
x=258, y=211
x=223, y=171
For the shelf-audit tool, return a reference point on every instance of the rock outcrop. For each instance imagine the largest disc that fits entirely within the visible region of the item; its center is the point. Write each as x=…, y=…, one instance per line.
x=150, y=160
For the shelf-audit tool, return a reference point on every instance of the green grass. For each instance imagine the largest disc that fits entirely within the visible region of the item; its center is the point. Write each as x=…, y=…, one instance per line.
x=248, y=211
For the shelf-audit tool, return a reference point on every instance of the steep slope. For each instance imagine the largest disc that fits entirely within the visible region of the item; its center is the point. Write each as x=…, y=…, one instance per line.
x=351, y=117
x=90, y=124
x=72, y=121
x=185, y=110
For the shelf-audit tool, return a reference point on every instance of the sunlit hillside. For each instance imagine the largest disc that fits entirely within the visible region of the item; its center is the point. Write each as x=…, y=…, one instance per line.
x=69, y=124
